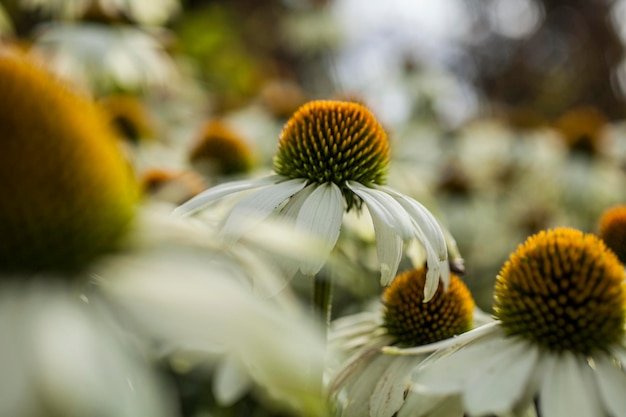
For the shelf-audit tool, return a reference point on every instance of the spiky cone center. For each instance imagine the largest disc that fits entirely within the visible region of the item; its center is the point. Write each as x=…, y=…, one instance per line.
x=220, y=151
x=612, y=230
x=333, y=141
x=412, y=322
x=562, y=289
x=68, y=193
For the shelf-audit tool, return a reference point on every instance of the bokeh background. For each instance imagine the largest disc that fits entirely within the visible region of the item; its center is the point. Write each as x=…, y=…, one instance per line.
x=505, y=116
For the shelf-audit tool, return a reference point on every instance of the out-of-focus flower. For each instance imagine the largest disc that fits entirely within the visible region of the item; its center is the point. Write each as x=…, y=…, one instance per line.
x=72, y=345
x=220, y=151
x=282, y=97
x=208, y=306
x=372, y=383
x=130, y=118
x=146, y=12
x=5, y=22
x=612, y=230
x=332, y=156
x=559, y=339
x=61, y=209
x=63, y=356
x=103, y=58
x=583, y=129
x=174, y=187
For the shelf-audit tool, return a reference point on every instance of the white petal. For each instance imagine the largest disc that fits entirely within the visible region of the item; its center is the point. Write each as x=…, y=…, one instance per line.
x=389, y=392
x=321, y=215
x=567, y=390
x=230, y=381
x=449, y=374
x=388, y=249
x=215, y=193
x=385, y=208
x=289, y=213
x=433, y=275
x=257, y=206
x=619, y=352
x=360, y=384
x=502, y=385
x=422, y=405
x=612, y=385
x=488, y=330
x=430, y=234
x=424, y=219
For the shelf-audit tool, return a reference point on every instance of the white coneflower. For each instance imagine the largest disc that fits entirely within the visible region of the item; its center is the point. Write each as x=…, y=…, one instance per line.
x=559, y=340
x=332, y=156
x=372, y=383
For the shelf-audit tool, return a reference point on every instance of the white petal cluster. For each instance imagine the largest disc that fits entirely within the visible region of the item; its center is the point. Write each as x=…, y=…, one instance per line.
x=318, y=209
x=101, y=58
x=146, y=12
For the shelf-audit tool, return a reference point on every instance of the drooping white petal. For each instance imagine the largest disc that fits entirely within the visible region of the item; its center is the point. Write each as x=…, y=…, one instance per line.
x=435, y=272
x=385, y=208
x=230, y=382
x=424, y=219
x=611, y=385
x=388, y=249
x=362, y=386
x=289, y=214
x=449, y=374
x=257, y=206
x=567, y=390
x=321, y=215
x=392, y=385
x=501, y=386
x=215, y=193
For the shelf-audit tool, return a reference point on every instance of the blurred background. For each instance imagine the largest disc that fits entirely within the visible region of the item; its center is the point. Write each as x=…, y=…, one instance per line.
x=505, y=116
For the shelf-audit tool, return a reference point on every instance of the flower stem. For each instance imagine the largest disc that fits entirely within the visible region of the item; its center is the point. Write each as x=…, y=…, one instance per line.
x=322, y=297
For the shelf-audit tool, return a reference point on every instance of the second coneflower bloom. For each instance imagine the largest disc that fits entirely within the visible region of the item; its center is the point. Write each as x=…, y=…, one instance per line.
x=559, y=339
x=371, y=383
x=332, y=156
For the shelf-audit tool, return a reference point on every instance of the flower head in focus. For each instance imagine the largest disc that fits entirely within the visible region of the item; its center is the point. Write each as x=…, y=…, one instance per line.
x=612, y=230
x=332, y=156
x=558, y=341
x=371, y=383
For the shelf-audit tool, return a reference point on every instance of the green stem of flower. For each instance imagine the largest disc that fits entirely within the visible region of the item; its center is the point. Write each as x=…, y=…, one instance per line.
x=322, y=297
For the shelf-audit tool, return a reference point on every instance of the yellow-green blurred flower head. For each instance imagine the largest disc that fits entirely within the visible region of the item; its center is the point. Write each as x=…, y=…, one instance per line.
x=220, y=151
x=68, y=194
x=612, y=230
x=129, y=117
